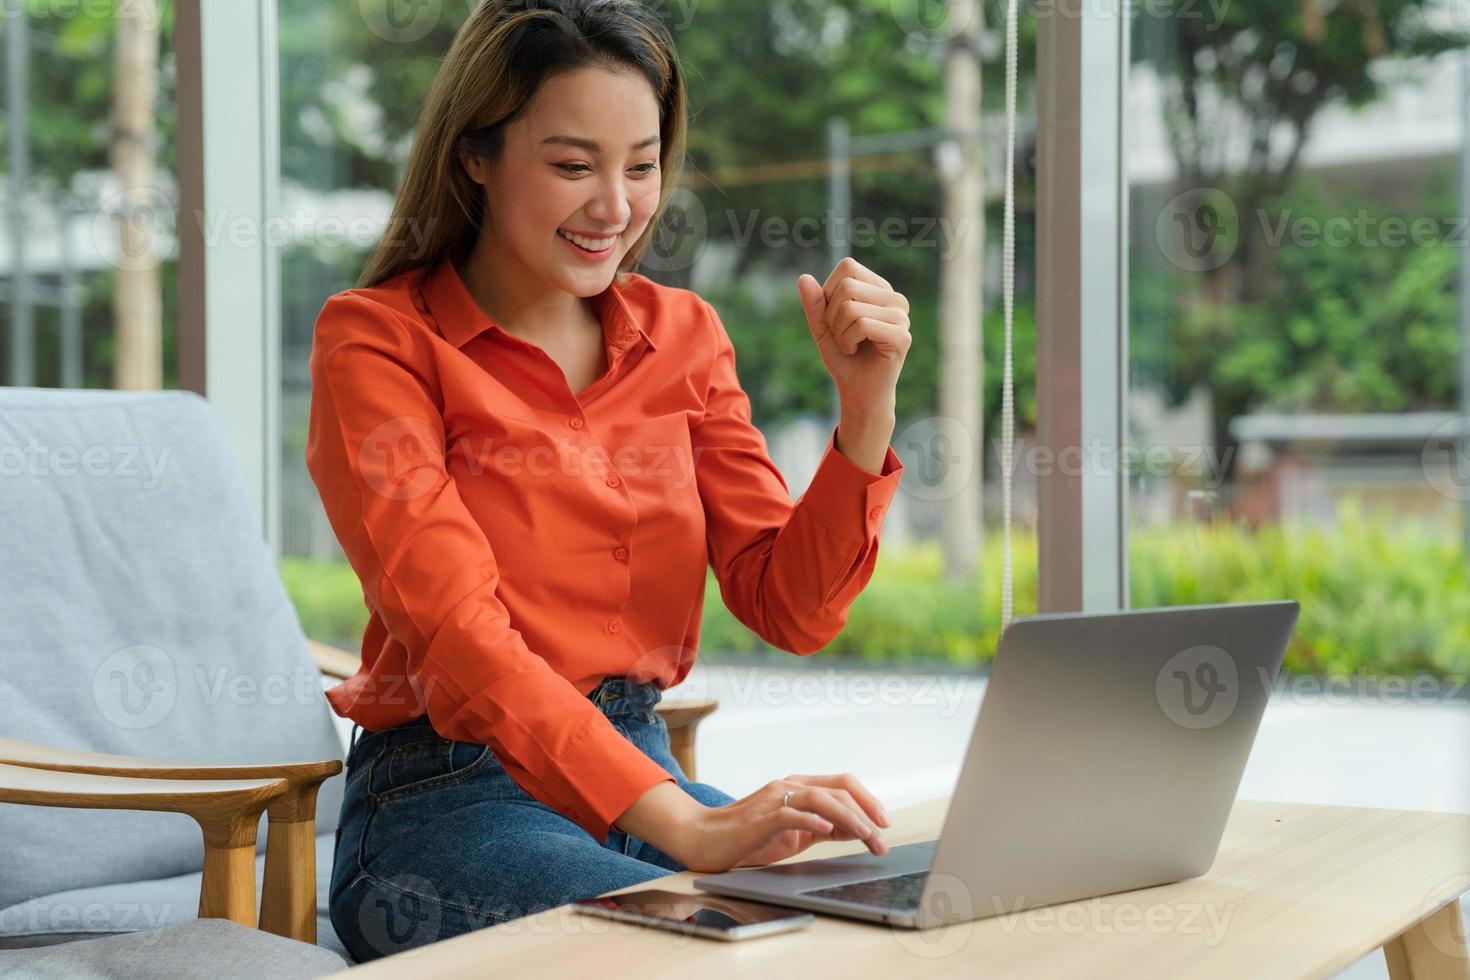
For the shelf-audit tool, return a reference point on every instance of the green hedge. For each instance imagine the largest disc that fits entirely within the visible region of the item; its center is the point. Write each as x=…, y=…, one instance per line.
x=328, y=600
x=1378, y=596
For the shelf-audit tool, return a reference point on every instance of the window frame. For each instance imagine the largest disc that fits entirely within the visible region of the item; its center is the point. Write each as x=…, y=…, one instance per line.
x=1081, y=307
x=229, y=179
x=229, y=167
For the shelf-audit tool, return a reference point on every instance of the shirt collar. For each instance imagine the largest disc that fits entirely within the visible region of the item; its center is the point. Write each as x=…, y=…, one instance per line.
x=459, y=318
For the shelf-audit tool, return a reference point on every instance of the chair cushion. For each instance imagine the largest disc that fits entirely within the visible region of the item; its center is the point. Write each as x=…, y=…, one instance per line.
x=136, y=906
x=200, y=948
x=143, y=616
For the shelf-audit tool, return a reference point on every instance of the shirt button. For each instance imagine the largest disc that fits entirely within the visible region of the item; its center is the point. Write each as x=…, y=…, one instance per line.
x=875, y=513
x=575, y=423
x=614, y=482
x=621, y=554
x=614, y=625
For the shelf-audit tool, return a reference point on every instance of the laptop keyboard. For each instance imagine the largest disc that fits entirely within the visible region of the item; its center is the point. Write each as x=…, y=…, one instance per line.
x=893, y=892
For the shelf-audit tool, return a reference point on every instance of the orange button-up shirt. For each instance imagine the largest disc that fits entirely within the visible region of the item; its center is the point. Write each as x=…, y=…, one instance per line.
x=517, y=541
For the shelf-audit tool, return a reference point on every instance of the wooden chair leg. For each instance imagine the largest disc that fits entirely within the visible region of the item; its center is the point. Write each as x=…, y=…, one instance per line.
x=682, y=718
x=681, y=746
x=228, y=888
x=228, y=891
x=288, y=897
x=1432, y=949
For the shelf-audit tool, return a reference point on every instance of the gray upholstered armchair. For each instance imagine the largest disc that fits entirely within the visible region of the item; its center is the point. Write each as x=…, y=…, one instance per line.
x=157, y=698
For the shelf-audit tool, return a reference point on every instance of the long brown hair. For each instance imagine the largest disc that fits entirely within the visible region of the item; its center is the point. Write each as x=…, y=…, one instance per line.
x=499, y=58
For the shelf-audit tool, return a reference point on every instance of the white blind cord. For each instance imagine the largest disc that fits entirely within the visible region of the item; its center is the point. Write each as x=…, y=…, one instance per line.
x=1008, y=297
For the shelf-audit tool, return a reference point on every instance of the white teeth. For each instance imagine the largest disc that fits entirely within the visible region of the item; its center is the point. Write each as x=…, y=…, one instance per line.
x=590, y=244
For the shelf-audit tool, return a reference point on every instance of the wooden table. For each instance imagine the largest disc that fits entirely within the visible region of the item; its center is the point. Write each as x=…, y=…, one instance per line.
x=1297, y=891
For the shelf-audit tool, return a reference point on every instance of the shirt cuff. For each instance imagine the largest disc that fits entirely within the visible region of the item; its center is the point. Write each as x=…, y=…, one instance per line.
x=611, y=773
x=848, y=500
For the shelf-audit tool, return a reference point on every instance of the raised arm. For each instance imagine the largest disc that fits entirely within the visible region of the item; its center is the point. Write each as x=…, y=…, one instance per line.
x=787, y=571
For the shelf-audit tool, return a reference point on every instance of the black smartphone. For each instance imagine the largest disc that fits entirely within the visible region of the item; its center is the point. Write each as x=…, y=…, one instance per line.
x=696, y=914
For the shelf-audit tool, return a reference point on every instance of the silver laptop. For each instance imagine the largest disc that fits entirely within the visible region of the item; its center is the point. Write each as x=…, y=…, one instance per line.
x=1105, y=757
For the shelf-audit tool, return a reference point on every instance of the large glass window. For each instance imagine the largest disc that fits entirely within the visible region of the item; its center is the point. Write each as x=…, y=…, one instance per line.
x=759, y=205
x=1297, y=319
x=87, y=257
x=351, y=79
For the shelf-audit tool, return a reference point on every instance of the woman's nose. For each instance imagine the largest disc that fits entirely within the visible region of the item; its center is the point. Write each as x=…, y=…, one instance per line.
x=610, y=207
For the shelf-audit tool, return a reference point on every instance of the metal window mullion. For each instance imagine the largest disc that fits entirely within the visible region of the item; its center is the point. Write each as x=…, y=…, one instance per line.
x=1081, y=309
x=229, y=280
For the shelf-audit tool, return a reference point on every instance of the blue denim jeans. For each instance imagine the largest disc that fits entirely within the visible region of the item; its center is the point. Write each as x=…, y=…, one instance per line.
x=435, y=838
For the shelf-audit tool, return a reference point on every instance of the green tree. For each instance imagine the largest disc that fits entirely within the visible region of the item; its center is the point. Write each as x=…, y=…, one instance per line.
x=1316, y=328
x=1270, y=68
x=69, y=100
x=1368, y=324
x=787, y=67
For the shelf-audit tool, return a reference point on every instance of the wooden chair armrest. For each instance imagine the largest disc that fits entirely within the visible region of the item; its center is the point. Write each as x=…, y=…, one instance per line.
x=288, y=907
x=15, y=752
x=334, y=662
x=685, y=712
x=214, y=803
x=227, y=811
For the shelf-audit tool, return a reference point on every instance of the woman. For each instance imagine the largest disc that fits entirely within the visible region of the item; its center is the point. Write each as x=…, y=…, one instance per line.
x=530, y=457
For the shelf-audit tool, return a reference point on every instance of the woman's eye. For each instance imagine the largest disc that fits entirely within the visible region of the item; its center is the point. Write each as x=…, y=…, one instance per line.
x=642, y=168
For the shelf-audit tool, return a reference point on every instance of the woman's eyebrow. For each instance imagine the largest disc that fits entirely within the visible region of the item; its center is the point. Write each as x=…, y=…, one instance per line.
x=593, y=145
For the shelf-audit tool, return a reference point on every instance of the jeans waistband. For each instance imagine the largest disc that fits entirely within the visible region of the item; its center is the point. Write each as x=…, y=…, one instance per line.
x=615, y=697
x=618, y=695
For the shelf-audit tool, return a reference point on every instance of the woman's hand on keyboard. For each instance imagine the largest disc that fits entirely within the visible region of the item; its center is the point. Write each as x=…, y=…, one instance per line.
x=759, y=830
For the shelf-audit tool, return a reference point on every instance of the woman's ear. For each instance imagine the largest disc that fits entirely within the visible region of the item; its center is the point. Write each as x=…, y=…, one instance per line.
x=474, y=165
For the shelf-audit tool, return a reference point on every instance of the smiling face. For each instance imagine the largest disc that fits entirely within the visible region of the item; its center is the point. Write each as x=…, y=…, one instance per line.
x=583, y=159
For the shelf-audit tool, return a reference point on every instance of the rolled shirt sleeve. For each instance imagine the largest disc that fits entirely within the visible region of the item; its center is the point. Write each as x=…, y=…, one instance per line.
x=788, y=571
x=376, y=452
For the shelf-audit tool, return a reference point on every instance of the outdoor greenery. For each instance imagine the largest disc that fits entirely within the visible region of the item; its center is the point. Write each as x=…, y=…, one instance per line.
x=1267, y=70
x=1378, y=596
x=1362, y=313
x=71, y=85
x=1291, y=325
x=1320, y=328
x=882, y=70
x=783, y=374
